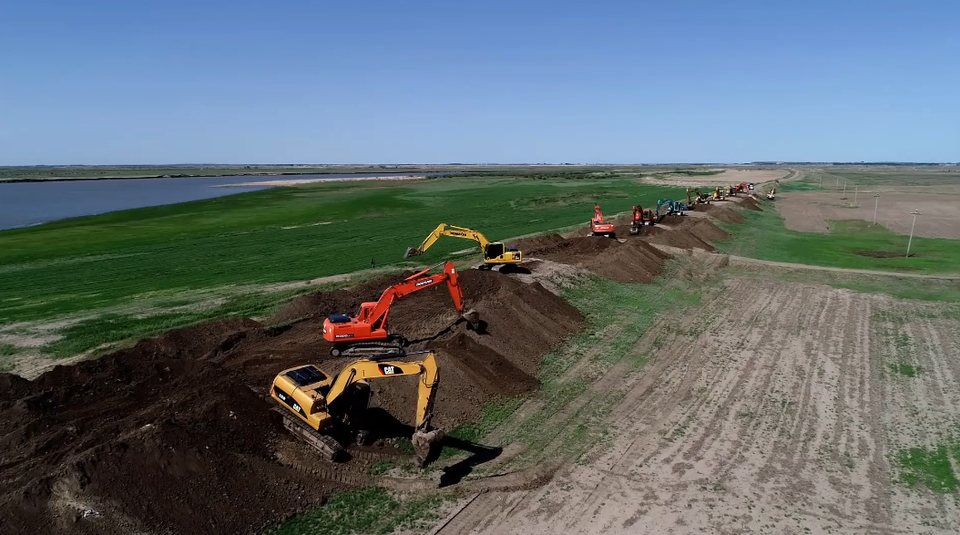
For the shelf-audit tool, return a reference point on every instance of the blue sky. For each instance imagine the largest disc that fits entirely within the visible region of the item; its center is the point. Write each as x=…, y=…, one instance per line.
x=110, y=82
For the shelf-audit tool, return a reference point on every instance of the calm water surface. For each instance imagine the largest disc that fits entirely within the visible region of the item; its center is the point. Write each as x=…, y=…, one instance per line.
x=30, y=203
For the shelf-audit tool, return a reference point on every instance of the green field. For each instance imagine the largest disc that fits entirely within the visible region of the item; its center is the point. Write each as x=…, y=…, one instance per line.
x=848, y=245
x=166, y=264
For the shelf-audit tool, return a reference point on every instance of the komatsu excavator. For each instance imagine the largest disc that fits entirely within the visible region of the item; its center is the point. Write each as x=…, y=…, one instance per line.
x=495, y=254
x=698, y=198
x=599, y=227
x=641, y=218
x=367, y=333
x=318, y=404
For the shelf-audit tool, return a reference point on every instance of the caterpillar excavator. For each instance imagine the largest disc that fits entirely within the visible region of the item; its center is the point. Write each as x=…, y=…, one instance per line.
x=367, y=333
x=495, y=254
x=641, y=218
x=318, y=405
x=698, y=198
x=599, y=227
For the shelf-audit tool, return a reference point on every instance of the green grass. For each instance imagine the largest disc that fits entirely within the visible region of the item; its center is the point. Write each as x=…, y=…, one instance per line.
x=7, y=351
x=908, y=370
x=930, y=467
x=278, y=235
x=764, y=236
x=371, y=510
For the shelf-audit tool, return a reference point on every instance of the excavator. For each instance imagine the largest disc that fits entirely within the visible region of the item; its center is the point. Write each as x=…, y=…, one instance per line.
x=772, y=194
x=669, y=207
x=598, y=227
x=319, y=405
x=718, y=194
x=367, y=331
x=495, y=254
x=698, y=198
x=640, y=219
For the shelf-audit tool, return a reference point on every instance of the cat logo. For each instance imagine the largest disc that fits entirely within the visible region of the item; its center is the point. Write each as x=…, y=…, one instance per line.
x=424, y=283
x=296, y=407
x=387, y=369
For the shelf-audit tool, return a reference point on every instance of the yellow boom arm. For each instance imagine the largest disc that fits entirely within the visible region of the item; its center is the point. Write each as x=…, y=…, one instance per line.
x=449, y=230
x=370, y=369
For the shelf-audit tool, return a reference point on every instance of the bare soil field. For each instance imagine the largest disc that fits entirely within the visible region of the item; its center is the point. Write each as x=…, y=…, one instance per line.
x=810, y=211
x=727, y=177
x=772, y=408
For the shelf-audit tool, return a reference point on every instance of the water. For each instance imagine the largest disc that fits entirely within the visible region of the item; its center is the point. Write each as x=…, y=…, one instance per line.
x=31, y=203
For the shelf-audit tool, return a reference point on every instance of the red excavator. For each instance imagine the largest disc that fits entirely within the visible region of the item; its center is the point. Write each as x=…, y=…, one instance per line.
x=367, y=332
x=598, y=227
x=641, y=218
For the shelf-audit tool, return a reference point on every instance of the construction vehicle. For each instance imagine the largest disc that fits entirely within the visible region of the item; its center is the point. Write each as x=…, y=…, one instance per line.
x=732, y=191
x=641, y=218
x=718, y=194
x=598, y=227
x=669, y=207
x=319, y=406
x=772, y=194
x=698, y=198
x=742, y=187
x=366, y=333
x=495, y=254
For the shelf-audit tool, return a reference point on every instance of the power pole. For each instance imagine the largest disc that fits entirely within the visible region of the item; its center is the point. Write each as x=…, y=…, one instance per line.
x=844, y=196
x=876, y=202
x=855, y=188
x=910, y=242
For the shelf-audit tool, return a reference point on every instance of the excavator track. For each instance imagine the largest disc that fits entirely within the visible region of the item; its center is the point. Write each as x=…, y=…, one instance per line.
x=364, y=349
x=326, y=445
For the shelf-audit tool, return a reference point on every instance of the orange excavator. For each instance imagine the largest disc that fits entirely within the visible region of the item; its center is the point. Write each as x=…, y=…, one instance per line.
x=640, y=219
x=367, y=333
x=598, y=227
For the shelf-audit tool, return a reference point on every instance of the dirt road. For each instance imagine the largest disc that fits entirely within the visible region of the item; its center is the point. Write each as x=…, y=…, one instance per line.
x=771, y=408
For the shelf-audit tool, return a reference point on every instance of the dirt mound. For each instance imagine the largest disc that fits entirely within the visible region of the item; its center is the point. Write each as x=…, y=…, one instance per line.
x=631, y=261
x=750, y=204
x=335, y=301
x=180, y=428
x=147, y=439
x=683, y=239
x=724, y=213
x=701, y=228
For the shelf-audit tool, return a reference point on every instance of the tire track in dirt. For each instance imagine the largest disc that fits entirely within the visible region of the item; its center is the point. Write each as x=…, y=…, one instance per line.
x=776, y=417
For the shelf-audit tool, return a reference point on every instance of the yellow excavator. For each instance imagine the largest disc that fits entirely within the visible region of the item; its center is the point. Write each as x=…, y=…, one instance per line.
x=698, y=198
x=772, y=194
x=718, y=194
x=318, y=404
x=495, y=254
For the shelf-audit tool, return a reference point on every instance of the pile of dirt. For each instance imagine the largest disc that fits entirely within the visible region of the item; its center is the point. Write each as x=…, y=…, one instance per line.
x=177, y=434
x=156, y=438
x=750, y=203
x=632, y=260
x=724, y=213
x=683, y=239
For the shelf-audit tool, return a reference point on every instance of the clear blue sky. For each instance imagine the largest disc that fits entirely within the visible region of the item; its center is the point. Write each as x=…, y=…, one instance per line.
x=105, y=82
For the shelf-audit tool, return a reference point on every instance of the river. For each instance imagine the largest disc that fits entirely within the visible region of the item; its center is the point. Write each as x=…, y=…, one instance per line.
x=24, y=204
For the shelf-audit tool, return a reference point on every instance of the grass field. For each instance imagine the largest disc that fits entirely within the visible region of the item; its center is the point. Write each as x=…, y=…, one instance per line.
x=848, y=245
x=168, y=257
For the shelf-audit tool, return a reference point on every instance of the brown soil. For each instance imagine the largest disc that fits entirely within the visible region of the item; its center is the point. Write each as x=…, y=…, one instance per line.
x=176, y=435
x=882, y=254
x=723, y=213
x=631, y=261
x=750, y=204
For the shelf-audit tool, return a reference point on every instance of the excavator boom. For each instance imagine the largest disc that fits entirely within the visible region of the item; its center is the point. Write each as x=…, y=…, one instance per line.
x=494, y=253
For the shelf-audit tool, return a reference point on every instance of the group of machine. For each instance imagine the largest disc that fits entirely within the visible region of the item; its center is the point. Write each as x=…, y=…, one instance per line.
x=320, y=407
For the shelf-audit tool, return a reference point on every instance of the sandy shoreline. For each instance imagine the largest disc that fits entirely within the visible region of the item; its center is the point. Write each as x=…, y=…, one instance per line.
x=300, y=181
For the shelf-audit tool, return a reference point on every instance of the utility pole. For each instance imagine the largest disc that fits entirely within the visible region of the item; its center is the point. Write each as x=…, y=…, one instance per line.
x=844, y=196
x=855, y=188
x=915, y=214
x=820, y=181
x=876, y=202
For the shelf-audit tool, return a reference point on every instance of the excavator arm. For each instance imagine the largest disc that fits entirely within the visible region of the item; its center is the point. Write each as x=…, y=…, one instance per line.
x=423, y=439
x=447, y=230
x=416, y=282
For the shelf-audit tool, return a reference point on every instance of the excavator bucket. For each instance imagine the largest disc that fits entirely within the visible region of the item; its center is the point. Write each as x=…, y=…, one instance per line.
x=472, y=317
x=412, y=251
x=424, y=443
